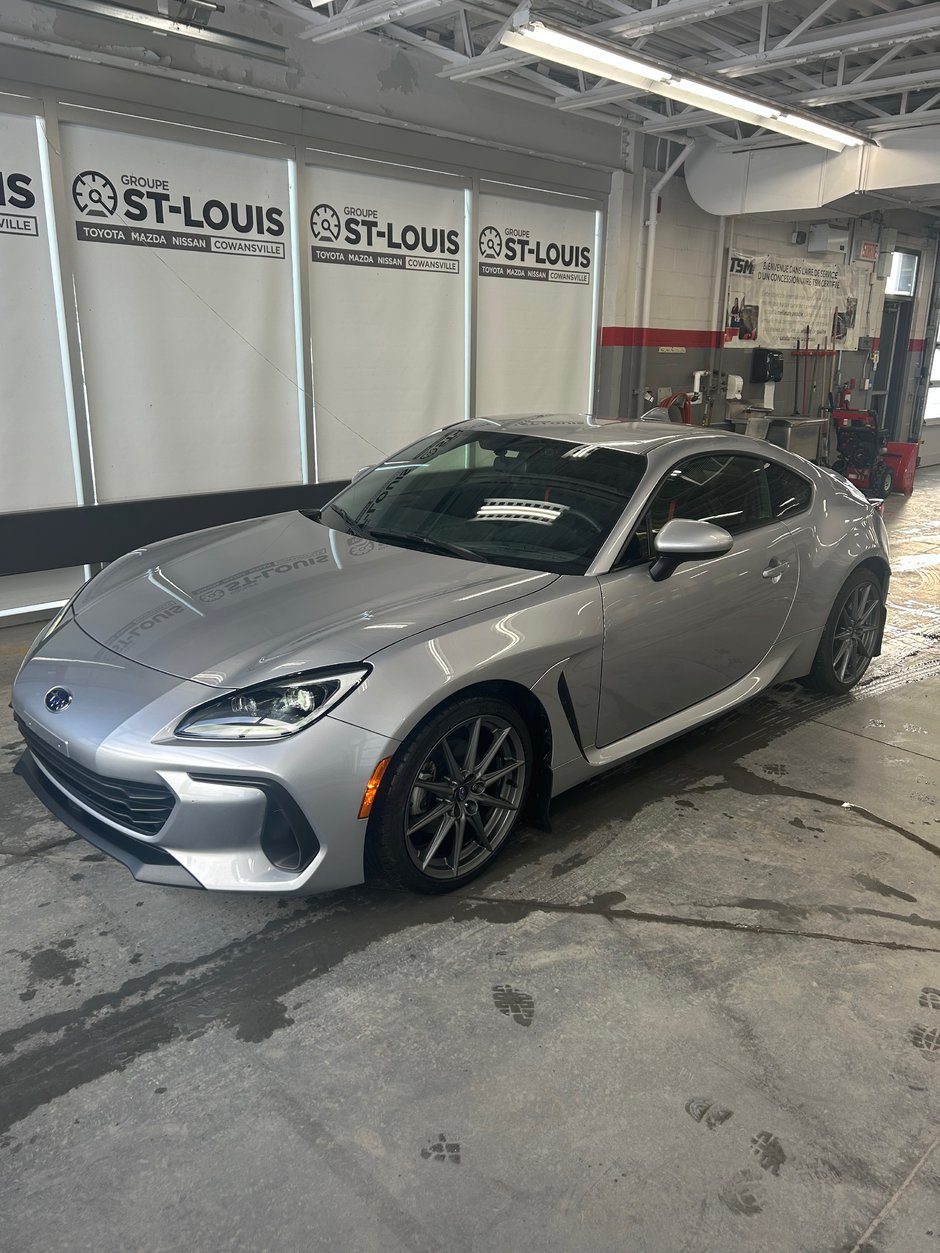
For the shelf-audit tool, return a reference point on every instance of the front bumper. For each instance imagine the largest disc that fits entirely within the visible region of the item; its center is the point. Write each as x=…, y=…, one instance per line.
x=279, y=817
x=147, y=862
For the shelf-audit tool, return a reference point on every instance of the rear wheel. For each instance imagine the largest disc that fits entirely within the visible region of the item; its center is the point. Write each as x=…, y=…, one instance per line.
x=851, y=635
x=451, y=797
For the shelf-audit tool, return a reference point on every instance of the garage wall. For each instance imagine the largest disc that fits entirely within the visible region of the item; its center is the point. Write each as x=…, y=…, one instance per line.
x=689, y=297
x=213, y=313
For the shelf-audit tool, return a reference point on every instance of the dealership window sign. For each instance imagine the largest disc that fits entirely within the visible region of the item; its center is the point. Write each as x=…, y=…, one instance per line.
x=514, y=253
x=535, y=276
x=388, y=310
x=186, y=305
x=17, y=198
x=772, y=300
x=145, y=210
x=37, y=467
x=365, y=235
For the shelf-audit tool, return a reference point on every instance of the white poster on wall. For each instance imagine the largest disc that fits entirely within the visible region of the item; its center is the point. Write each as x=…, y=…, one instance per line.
x=186, y=307
x=36, y=469
x=535, y=336
x=388, y=288
x=773, y=302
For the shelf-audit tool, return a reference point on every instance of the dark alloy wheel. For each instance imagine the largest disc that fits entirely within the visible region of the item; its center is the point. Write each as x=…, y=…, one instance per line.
x=851, y=635
x=451, y=797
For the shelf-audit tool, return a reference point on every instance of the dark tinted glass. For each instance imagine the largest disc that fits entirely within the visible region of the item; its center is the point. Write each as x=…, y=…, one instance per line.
x=789, y=493
x=495, y=496
x=729, y=491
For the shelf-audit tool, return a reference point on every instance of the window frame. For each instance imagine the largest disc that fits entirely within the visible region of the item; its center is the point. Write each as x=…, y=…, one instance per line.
x=619, y=564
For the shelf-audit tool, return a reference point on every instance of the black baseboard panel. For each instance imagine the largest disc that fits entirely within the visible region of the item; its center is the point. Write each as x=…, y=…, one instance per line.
x=52, y=539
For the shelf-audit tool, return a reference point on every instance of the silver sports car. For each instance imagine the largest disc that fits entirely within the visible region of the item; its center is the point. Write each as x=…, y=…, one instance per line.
x=383, y=687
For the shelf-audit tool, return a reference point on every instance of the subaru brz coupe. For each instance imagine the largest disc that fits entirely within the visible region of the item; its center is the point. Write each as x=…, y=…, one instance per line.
x=380, y=689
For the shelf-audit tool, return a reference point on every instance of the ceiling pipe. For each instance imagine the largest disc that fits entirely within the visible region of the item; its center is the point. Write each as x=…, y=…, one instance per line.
x=648, y=262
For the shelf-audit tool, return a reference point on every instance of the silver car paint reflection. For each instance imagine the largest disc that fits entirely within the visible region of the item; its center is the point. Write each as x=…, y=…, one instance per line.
x=165, y=628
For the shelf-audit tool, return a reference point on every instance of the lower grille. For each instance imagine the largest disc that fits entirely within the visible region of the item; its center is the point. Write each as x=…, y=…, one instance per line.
x=141, y=807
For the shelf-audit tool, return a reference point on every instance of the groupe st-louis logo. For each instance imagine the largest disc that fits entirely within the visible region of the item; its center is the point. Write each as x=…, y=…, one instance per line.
x=94, y=194
x=325, y=225
x=491, y=243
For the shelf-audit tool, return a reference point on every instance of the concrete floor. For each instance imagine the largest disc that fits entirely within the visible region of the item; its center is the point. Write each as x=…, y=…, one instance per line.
x=703, y=1015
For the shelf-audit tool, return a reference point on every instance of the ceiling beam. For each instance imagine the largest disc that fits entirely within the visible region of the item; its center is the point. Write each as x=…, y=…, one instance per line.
x=366, y=17
x=651, y=21
x=866, y=35
x=806, y=23
x=870, y=87
x=676, y=13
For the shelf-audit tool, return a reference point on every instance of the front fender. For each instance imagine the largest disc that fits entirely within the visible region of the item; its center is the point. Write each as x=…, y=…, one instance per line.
x=559, y=628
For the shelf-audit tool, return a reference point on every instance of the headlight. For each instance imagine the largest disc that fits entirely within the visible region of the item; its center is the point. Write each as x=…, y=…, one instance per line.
x=271, y=711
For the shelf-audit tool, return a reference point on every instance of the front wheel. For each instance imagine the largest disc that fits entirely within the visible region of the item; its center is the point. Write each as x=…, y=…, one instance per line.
x=851, y=635
x=451, y=797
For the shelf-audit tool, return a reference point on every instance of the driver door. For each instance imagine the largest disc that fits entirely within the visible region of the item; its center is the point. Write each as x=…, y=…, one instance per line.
x=671, y=644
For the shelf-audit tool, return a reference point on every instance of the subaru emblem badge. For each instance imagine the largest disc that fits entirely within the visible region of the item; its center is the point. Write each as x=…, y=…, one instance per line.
x=57, y=699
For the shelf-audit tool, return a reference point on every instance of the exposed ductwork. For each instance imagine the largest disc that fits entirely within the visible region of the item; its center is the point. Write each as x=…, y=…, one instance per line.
x=794, y=178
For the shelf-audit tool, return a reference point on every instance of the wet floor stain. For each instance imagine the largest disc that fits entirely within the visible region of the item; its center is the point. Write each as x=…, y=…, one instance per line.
x=746, y=781
x=570, y=863
x=56, y=964
x=883, y=889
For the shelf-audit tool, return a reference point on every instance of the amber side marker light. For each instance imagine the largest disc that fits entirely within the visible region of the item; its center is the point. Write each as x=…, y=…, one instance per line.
x=372, y=787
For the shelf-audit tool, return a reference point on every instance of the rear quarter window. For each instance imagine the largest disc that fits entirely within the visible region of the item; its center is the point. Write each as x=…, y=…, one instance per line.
x=790, y=493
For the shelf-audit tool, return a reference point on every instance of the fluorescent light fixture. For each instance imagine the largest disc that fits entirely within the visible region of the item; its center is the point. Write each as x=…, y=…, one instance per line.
x=705, y=91
x=826, y=132
x=582, y=55
x=537, y=39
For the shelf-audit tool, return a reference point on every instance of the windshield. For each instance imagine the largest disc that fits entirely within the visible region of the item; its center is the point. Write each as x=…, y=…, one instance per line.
x=494, y=496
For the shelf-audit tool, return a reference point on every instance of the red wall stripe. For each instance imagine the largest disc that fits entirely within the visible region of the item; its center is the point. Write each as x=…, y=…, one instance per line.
x=658, y=337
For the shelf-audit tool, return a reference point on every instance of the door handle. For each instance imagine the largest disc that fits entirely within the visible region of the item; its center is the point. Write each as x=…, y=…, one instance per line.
x=775, y=570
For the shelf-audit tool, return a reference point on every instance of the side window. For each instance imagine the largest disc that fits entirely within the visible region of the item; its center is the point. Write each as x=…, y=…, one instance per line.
x=790, y=493
x=729, y=490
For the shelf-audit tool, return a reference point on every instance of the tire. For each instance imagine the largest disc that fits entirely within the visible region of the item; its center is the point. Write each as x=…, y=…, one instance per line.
x=885, y=482
x=850, y=636
x=439, y=820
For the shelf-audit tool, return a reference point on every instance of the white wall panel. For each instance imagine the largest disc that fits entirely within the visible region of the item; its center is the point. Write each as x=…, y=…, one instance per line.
x=186, y=310
x=35, y=448
x=535, y=298
x=19, y=592
x=387, y=261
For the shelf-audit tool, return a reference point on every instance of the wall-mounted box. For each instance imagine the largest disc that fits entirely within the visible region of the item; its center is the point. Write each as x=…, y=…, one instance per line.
x=766, y=366
x=826, y=238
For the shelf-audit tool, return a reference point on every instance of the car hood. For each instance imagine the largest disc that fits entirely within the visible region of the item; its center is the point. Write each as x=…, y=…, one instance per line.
x=240, y=603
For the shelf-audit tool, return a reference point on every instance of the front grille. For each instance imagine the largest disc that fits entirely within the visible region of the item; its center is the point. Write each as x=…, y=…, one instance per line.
x=141, y=807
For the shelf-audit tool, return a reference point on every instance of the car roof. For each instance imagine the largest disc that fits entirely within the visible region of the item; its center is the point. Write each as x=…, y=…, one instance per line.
x=583, y=428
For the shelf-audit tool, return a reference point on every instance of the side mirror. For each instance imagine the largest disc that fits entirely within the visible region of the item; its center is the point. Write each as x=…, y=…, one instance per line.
x=360, y=472
x=684, y=539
